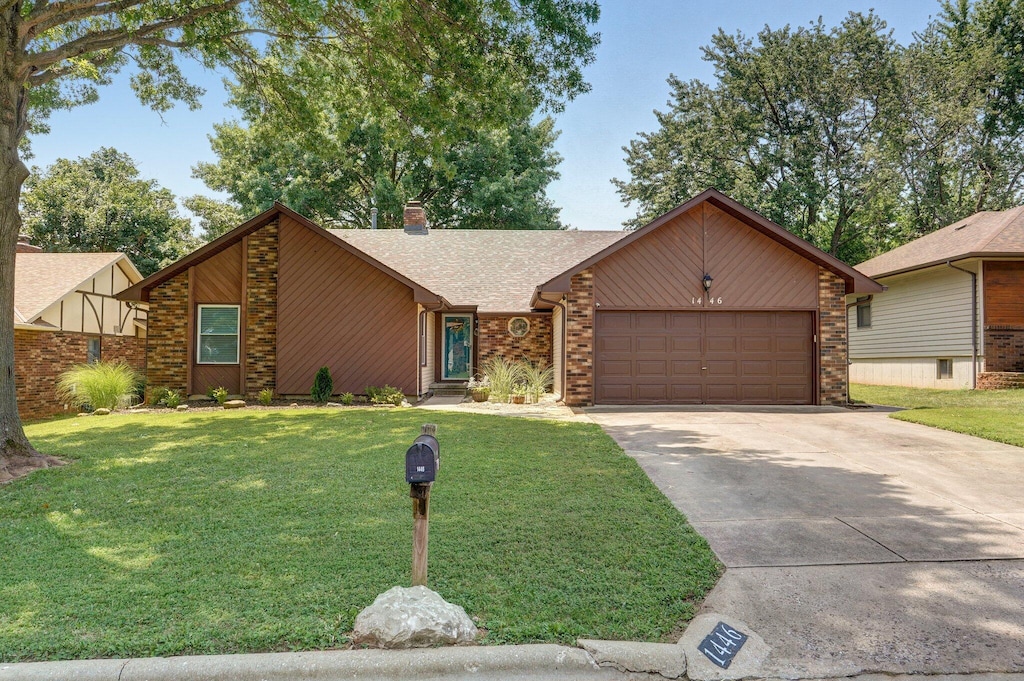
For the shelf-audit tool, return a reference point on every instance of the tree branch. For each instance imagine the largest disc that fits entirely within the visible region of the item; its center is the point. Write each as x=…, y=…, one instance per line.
x=115, y=38
x=73, y=12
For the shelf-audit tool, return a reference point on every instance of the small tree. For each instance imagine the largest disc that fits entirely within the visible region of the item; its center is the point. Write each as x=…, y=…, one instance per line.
x=323, y=386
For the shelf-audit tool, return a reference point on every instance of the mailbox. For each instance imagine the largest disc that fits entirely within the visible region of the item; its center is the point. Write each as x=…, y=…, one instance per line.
x=422, y=460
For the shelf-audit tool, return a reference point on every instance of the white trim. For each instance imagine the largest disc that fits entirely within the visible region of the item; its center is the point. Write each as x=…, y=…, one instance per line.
x=199, y=331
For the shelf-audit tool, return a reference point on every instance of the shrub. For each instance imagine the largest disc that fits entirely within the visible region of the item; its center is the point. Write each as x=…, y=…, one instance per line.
x=157, y=396
x=347, y=399
x=323, y=386
x=210, y=390
x=503, y=377
x=220, y=394
x=266, y=396
x=385, y=395
x=171, y=398
x=537, y=378
x=100, y=385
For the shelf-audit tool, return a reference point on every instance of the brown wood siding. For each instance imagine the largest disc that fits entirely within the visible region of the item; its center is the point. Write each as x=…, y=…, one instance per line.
x=752, y=271
x=1004, y=293
x=206, y=376
x=704, y=357
x=219, y=279
x=664, y=269
x=336, y=310
x=661, y=270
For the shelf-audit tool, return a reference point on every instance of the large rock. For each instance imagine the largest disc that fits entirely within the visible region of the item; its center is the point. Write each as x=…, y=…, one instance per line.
x=102, y=411
x=234, y=404
x=412, y=618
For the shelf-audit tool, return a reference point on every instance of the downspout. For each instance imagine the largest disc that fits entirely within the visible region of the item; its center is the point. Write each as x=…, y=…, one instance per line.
x=974, y=322
x=859, y=301
x=423, y=345
x=561, y=305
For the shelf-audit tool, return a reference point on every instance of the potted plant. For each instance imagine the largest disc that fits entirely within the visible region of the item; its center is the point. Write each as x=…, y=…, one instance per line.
x=479, y=389
x=519, y=394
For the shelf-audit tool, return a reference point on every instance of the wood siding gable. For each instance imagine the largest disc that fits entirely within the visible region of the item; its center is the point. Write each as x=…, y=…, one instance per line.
x=336, y=310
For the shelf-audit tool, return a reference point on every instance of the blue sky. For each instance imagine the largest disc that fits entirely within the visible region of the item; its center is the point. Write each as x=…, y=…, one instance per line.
x=643, y=41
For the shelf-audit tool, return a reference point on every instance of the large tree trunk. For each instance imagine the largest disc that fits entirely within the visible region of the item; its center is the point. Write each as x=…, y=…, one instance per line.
x=17, y=456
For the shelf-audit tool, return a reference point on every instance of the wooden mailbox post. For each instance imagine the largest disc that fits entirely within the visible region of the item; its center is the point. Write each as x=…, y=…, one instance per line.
x=421, y=463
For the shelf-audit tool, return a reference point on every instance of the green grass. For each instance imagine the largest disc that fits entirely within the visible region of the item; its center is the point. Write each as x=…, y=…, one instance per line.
x=223, y=532
x=992, y=414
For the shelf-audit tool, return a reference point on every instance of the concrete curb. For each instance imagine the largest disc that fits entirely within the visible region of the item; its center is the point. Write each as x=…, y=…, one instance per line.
x=541, y=662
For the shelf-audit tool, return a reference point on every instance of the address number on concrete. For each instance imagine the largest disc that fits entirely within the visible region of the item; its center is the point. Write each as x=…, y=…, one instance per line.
x=722, y=644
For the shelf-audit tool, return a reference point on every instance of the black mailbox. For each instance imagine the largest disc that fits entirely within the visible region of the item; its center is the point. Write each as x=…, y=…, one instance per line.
x=422, y=460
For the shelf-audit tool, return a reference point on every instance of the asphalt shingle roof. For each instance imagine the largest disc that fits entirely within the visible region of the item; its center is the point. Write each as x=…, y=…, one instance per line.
x=497, y=270
x=41, y=279
x=985, y=233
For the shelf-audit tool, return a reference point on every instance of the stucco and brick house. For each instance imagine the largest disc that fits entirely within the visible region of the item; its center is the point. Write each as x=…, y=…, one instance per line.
x=952, y=314
x=65, y=313
x=710, y=303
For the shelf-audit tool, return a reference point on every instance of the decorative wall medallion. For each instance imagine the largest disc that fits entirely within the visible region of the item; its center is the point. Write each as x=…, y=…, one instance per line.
x=519, y=326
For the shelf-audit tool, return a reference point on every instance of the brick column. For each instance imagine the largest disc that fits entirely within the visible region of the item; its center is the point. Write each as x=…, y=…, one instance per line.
x=261, y=310
x=579, y=341
x=167, y=334
x=832, y=338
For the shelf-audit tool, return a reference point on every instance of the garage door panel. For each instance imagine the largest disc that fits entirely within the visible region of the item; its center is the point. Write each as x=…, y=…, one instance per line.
x=710, y=356
x=652, y=343
x=614, y=344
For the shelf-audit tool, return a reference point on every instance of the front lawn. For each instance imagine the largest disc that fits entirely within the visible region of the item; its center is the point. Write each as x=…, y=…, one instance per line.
x=225, y=532
x=992, y=414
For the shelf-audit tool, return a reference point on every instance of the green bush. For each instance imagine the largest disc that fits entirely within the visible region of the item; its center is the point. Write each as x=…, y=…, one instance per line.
x=157, y=396
x=266, y=396
x=220, y=394
x=537, y=378
x=385, y=395
x=171, y=398
x=323, y=386
x=210, y=390
x=503, y=377
x=100, y=385
x=347, y=399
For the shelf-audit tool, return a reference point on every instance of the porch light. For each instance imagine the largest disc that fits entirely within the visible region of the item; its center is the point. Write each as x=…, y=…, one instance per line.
x=707, y=282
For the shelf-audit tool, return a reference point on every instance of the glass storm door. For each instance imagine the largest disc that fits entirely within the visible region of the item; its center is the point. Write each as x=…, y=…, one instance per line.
x=457, y=346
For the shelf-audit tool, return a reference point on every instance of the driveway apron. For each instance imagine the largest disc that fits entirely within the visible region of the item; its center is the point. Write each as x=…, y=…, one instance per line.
x=854, y=542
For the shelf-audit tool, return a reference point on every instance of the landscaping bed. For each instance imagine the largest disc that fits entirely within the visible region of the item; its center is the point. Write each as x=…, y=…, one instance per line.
x=222, y=532
x=996, y=415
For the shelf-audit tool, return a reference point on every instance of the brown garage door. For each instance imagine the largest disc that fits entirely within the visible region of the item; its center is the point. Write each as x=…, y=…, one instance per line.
x=704, y=358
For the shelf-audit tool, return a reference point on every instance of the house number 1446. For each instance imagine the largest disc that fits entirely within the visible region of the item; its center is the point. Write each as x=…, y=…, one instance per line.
x=711, y=301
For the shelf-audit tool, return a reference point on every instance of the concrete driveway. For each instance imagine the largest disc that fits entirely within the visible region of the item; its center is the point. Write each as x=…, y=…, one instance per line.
x=854, y=543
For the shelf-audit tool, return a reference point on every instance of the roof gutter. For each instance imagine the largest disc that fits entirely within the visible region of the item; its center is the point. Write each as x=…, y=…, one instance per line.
x=974, y=321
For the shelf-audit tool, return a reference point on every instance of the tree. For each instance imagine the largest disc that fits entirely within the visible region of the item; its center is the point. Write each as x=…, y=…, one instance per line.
x=100, y=204
x=215, y=217
x=491, y=179
x=452, y=59
x=793, y=127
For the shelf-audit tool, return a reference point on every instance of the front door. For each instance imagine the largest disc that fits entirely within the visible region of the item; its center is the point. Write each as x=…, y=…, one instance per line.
x=457, y=347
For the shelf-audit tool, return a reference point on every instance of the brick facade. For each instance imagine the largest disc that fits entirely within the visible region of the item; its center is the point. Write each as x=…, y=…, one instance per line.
x=832, y=338
x=166, y=347
x=1001, y=380
x=579, y=340
x=261, y=310
x=495, y=340
x=1004, y=348
x=41, y=356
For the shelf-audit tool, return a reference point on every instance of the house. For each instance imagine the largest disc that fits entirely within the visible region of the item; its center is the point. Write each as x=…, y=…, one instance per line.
x=65, y=313
x=952, y=314
x=710, y=303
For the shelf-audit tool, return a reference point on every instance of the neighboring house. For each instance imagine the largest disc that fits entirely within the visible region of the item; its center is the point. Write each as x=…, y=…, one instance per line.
x=65, y=313
x=710, y=303
x=952, y=315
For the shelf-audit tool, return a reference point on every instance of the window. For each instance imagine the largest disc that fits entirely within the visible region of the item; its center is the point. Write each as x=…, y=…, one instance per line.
x=92, y=350
x=218, y=334
x=945, y=368
x=863, y=315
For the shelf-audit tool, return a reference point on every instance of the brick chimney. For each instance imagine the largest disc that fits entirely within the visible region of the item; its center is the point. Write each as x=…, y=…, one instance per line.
x=414, y=218
x=25, y=245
